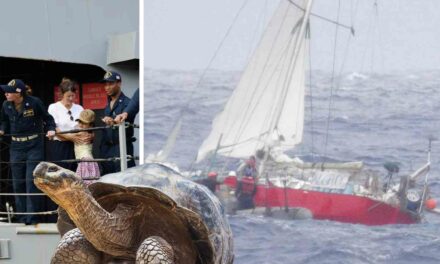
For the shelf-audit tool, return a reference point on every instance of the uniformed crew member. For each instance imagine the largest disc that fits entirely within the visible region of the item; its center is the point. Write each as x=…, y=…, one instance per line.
x=116, y=103
x=25, y=117
x=131, y=110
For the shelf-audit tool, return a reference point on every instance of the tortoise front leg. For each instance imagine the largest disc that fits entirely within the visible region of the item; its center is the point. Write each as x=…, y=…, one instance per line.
x=74, y=248
x=155, y=250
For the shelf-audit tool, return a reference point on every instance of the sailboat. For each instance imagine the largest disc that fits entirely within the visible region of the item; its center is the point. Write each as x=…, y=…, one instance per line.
x=264, y=117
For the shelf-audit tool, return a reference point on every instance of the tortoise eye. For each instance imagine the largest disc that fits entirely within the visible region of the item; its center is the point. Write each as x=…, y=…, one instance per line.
x=52, y=169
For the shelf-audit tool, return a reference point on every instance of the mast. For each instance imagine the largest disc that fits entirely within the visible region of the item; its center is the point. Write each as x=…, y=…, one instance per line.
x=275, y=121
x=425, y=184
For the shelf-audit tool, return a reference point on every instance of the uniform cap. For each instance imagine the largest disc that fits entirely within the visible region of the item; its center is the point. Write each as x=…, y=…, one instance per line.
x=111, y=76
x=14, y=86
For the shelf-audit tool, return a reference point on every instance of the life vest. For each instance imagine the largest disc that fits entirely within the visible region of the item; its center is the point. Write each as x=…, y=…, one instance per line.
x=247, y=185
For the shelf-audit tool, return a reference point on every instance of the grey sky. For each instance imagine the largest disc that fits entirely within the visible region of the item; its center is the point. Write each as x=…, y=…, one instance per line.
x=398, y=35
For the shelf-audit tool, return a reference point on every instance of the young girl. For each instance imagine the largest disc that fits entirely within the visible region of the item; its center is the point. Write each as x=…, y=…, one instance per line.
x=87, y=170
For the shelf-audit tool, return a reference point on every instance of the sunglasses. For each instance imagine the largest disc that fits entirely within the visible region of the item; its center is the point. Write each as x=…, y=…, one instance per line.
x=70, y=114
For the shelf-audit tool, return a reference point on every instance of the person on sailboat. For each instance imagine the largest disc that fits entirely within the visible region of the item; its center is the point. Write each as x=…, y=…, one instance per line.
x=247, y=187
x=211, y=181
x=249, y=168
x=245, y=192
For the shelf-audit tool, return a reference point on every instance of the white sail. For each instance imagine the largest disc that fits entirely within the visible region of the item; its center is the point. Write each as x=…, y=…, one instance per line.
x=165, y=152
x=270, y=94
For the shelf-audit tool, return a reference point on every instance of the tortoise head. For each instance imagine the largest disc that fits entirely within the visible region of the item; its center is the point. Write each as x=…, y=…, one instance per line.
x=53, y=179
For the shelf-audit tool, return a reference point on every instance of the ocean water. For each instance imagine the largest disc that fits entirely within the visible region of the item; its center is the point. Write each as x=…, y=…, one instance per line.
x=374, y=118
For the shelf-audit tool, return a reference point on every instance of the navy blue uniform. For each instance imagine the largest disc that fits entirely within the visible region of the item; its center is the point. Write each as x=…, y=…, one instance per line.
x=133, y=107
x=26, y=148
x=109, y=147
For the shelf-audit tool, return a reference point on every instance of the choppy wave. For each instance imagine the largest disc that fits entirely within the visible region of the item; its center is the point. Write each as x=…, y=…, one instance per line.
x=374, y=118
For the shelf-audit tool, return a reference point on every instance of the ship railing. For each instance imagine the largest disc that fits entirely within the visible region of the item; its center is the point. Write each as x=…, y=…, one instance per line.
x=123, y=158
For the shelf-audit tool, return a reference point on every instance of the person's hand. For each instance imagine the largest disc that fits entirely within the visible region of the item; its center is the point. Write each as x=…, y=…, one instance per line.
x=50, y=134
x=121, y=117
x=108, y=120
x=82, y=138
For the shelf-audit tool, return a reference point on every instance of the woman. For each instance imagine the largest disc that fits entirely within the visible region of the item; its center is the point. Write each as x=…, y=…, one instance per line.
x=65, y=112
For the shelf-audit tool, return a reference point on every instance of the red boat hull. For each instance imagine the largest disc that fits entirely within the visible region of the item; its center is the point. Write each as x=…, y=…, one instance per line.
x=332, y=206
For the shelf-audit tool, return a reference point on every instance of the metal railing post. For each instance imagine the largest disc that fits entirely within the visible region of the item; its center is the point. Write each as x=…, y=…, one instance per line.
x=123, y=146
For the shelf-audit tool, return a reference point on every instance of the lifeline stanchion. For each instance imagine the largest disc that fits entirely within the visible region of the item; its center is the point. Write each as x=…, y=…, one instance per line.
x=122, y=146
x=10, y=211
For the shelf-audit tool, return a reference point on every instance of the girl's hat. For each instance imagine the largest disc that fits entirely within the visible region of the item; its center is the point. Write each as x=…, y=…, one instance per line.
x=86, y=116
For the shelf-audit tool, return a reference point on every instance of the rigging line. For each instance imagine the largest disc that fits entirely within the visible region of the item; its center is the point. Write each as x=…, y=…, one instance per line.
x=237, y=15
x=344, y=60
x=332, y=82
x=312, y=129
x=351, y=28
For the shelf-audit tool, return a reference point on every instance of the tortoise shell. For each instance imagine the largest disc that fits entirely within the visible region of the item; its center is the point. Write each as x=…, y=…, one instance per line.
x=170, y=206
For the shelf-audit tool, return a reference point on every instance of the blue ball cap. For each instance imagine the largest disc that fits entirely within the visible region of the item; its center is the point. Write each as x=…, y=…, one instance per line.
x=112, y=76
x=14, y=86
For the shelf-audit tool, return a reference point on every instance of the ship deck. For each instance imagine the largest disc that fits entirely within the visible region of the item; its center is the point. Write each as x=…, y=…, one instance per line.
x=21, y=243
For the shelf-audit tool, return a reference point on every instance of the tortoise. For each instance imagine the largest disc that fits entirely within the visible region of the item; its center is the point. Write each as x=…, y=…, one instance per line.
x=146, y=214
